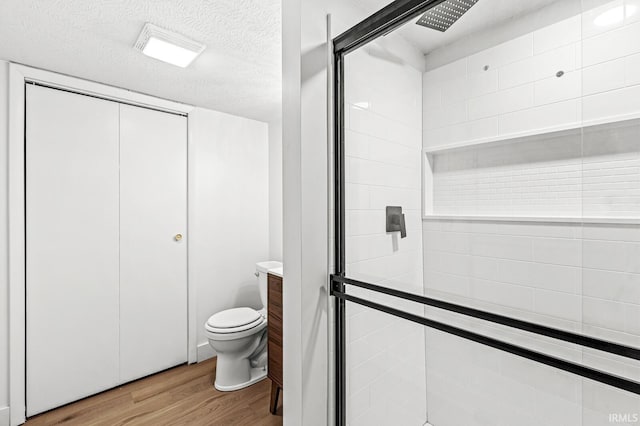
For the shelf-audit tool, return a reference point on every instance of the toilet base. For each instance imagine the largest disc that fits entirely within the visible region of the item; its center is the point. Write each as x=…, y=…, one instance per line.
x=257, y=374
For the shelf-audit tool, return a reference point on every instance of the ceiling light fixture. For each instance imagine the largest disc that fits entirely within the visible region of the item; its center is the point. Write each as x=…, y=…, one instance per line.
x=615, y=15
x=166, y=46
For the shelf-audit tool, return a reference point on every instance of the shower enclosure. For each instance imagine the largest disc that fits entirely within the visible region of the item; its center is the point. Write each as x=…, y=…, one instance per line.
x=487, y=214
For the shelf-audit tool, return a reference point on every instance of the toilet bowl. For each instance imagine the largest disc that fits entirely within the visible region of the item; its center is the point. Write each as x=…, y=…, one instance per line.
x=239, y=336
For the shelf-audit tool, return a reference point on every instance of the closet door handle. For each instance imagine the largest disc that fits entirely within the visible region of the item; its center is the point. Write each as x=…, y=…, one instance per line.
x=178, y=237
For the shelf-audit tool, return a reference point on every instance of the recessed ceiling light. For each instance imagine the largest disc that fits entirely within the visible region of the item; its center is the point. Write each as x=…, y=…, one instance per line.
x=615, y=15
x=166, y=46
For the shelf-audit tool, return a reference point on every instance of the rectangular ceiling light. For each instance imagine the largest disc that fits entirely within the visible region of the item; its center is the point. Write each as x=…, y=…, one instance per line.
x=166, y=46
x=442, y=16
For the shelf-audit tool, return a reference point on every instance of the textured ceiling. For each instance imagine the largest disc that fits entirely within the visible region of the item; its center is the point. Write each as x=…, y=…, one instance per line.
x=239, y=72
x=485, y=14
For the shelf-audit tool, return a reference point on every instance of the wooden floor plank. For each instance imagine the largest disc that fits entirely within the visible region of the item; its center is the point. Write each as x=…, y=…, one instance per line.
x=183, y=395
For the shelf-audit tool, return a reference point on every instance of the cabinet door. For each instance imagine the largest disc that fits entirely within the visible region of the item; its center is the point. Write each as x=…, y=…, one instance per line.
x=71, y=247
x=153, y=262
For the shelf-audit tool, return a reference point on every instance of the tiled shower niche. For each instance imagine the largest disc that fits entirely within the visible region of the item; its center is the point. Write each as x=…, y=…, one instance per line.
x=590, y=173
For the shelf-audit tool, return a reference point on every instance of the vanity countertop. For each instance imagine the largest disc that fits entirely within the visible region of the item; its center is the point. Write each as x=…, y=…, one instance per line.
x=276, y=271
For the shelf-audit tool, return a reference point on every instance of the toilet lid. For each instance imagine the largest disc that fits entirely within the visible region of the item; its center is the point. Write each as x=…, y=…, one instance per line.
x=234, y=318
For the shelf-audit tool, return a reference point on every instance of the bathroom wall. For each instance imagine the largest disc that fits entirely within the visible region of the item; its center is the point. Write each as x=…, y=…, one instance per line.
x=4, y=274
x=580, y=278
x=230, y=218
x=544, y=228
x=519, y=92
x=275, y=190
x=230, y=230
x=385, y=355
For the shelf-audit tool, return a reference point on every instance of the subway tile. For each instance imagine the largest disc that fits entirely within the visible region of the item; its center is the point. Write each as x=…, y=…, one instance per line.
x=612, y=232
x=612, y=104
x=555, y=89
x=556, y=35
x=566, y=113
x=603, y=77
x=556, y=304
x=482, y=83
x=600, y=401
x=632, y=67
x=604, y=313
x=517, y=73
x=365, y=222
x=356, y=144
x=453, y=263
x=561, y=59
x=380, y=197
x=502, y=102
x=559, y=251
x=610, y=285
x=471, y=130
x=446, y=115
x=502, y=54
x=540, y=275
x=394, y=153
x=502, y=246
x=454, y=90
x=447, y=241
x=612, y=256
x=632, y=15
x=436, y=137
x=453, y=70
x=357, y=196
x=431, y=92
x=504, y=294
x=590, y=26
x=612, y=44
x=447, y=283
x=368, y=247
x=368, y=172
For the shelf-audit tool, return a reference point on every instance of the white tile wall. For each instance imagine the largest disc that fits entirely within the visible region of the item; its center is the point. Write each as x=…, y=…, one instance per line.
x=386, y=356
x=581, y=278
x=514, y=87
x=593, y=172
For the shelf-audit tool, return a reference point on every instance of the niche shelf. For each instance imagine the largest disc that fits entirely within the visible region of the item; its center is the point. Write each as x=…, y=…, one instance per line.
x=585, y=174
x=515, y=137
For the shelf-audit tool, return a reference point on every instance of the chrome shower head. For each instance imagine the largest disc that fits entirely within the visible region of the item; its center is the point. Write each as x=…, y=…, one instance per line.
x=442, y=16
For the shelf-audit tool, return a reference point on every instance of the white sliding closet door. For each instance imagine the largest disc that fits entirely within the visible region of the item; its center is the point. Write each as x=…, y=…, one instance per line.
x=72, y=247
x=153, y=263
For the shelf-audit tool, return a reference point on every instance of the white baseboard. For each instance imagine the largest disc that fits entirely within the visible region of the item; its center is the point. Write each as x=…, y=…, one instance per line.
x=4, y=416
x=205, y=351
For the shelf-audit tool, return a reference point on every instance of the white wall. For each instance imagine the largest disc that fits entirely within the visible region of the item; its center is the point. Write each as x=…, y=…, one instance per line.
x=520, y=93
x=230, y=228
x=275, y=190
x=230, y=212
x=307, y=377
x=580, y=278
x=566, y=274
x=4, y=284
x=386, y=356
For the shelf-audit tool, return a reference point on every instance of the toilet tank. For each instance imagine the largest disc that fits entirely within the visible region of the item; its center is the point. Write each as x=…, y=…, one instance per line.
x=262, y=269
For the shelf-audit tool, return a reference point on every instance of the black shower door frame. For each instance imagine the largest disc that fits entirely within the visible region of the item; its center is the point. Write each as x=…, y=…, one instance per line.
x=380, y=23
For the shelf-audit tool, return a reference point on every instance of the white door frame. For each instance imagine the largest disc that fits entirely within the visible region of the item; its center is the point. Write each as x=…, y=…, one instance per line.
x=19, y=75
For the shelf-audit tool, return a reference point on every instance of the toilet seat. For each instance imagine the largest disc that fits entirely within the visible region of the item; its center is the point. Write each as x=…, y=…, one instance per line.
x=234, y=321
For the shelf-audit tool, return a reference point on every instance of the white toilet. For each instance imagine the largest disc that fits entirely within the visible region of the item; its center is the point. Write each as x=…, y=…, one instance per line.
x=239, y=336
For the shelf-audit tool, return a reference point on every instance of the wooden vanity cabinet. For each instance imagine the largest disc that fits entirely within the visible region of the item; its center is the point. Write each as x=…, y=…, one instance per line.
x=274, y=339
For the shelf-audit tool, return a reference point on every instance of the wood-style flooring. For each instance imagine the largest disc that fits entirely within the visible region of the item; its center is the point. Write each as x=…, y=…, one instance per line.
x=180, y=396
